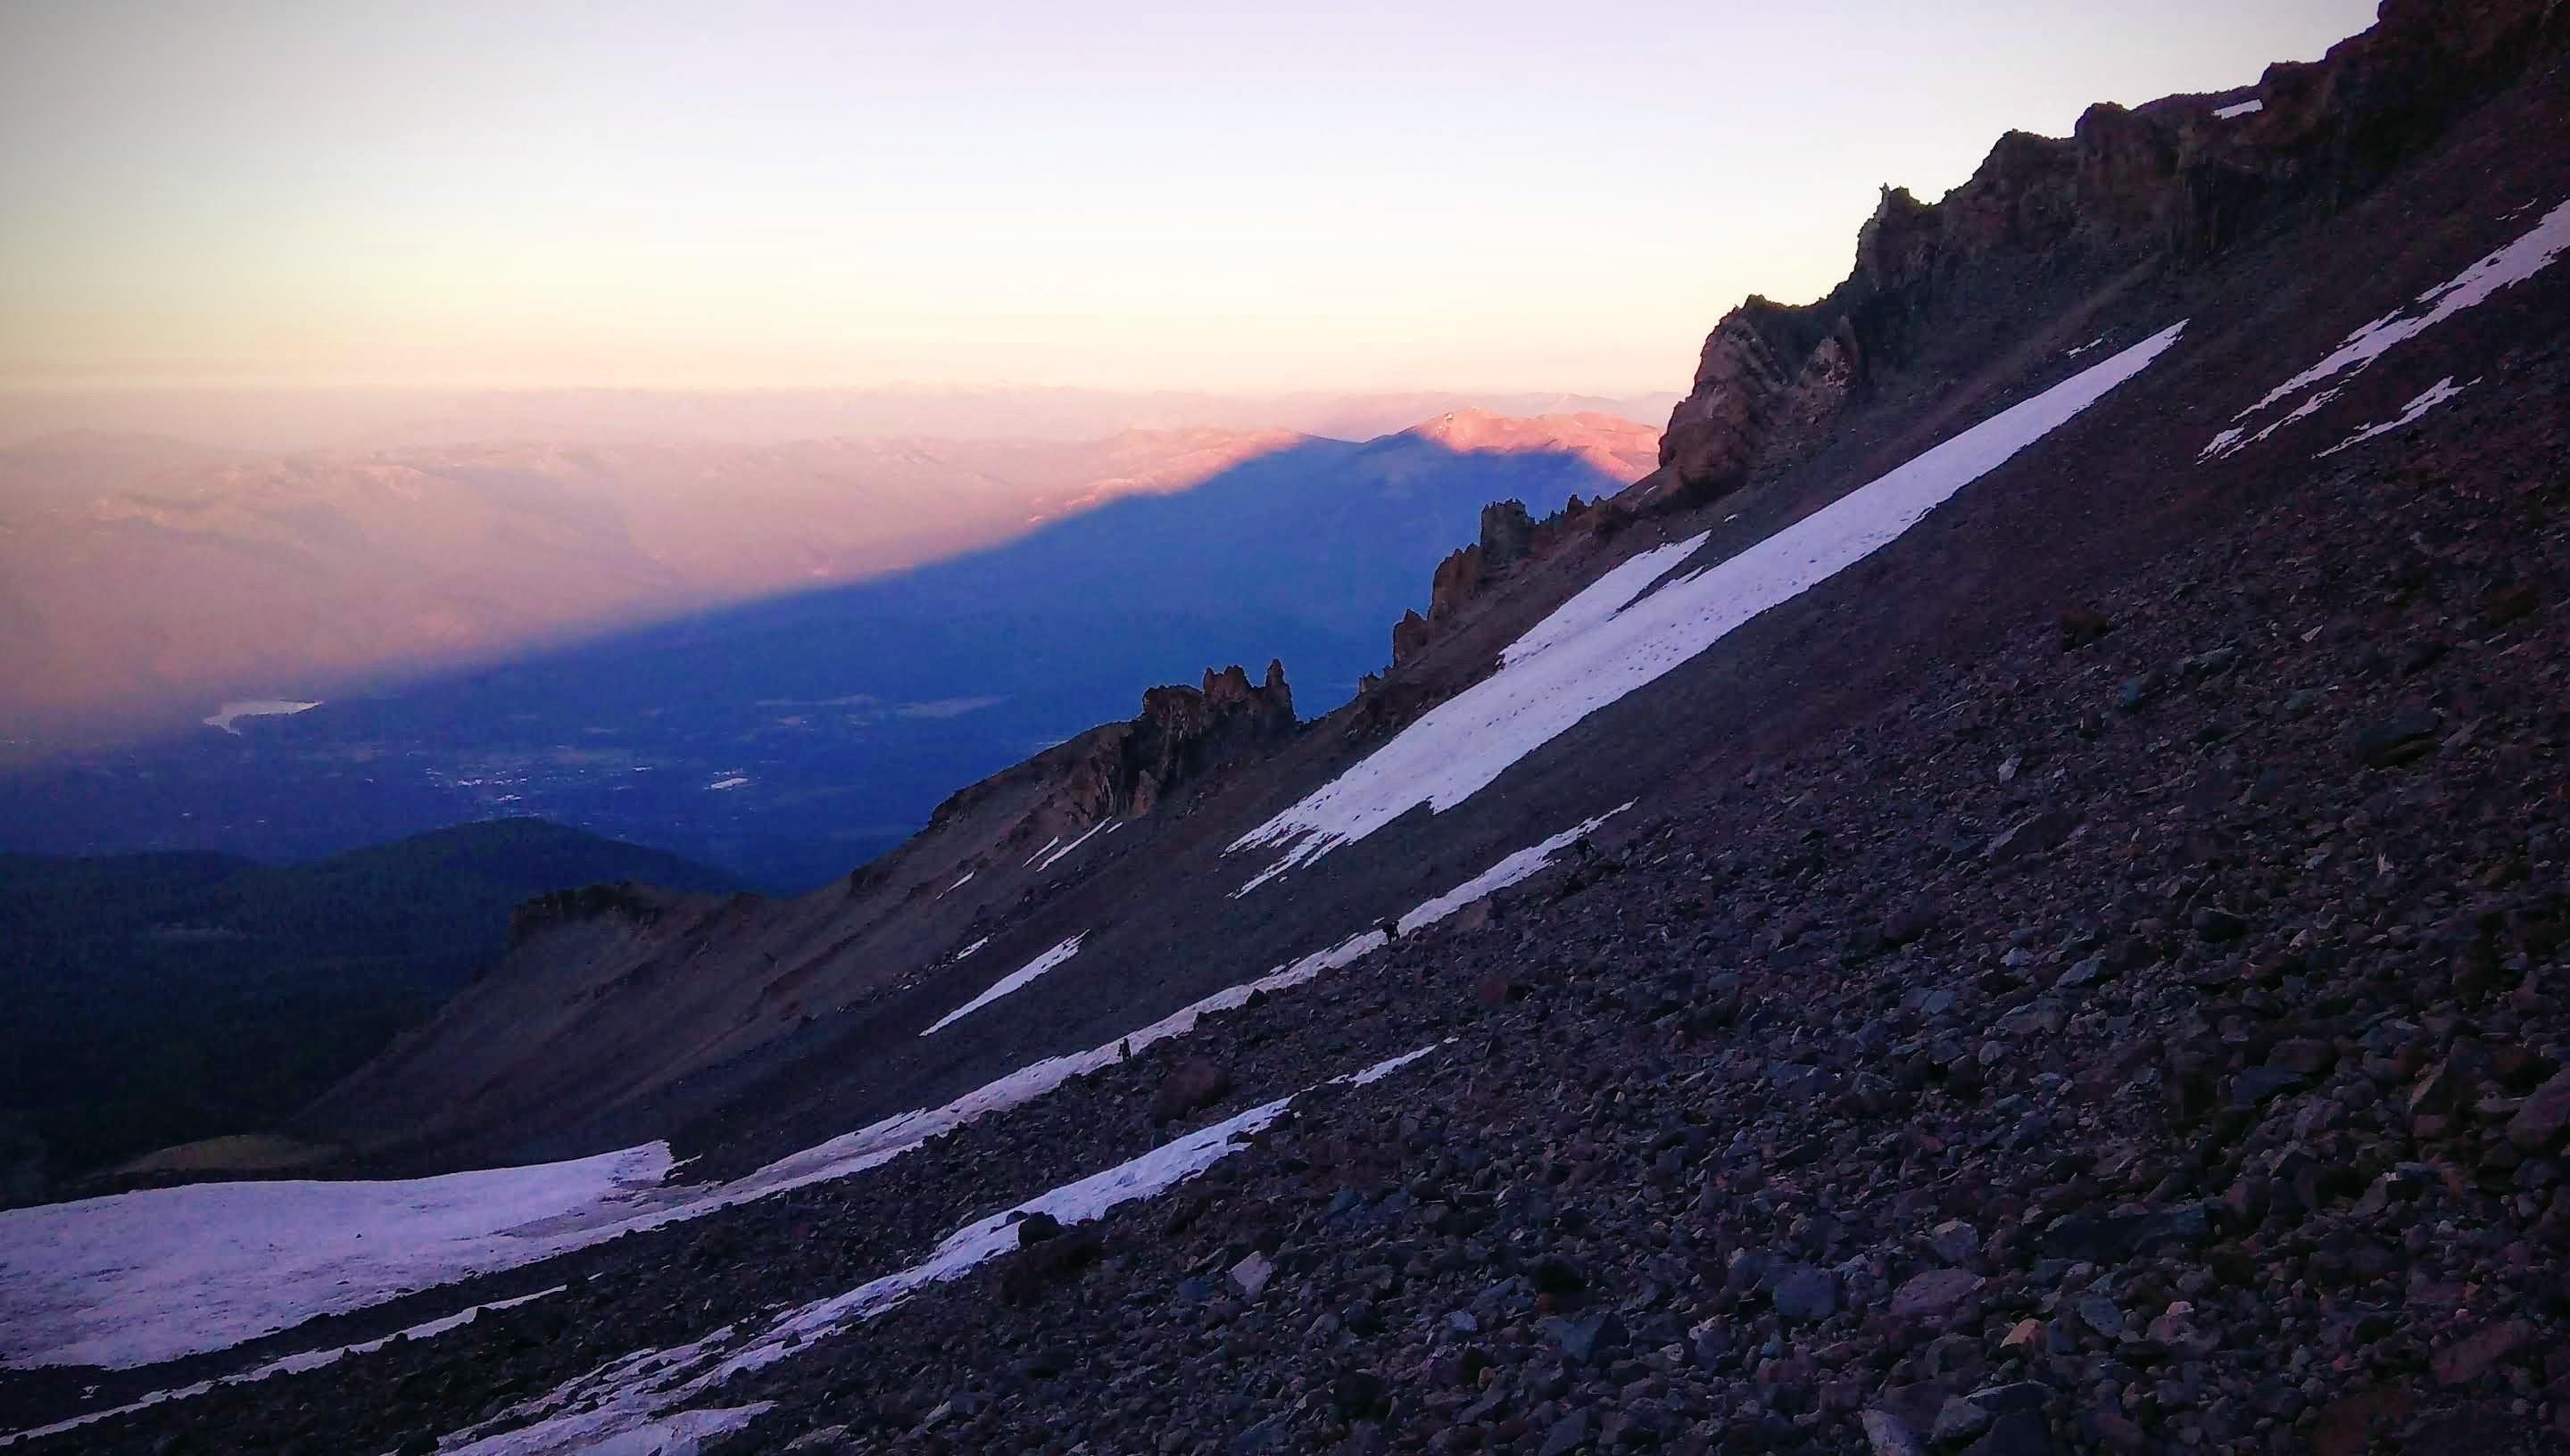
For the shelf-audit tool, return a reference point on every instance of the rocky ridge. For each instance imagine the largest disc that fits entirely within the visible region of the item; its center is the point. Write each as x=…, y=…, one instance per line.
x=629, y=967
x=2161, y=186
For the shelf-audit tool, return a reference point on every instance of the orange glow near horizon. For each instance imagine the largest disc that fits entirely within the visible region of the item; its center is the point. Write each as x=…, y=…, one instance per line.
x=1134, y=195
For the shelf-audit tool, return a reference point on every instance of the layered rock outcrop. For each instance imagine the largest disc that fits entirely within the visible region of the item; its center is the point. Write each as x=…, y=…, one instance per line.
x=2173, y=181
x=1183, y=737
x=1510, y=535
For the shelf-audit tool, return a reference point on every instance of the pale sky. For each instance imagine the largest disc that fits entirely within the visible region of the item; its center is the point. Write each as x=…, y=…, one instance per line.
x=1111, y=193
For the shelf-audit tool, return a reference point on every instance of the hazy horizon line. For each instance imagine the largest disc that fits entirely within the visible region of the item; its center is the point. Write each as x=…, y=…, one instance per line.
x=896, y=386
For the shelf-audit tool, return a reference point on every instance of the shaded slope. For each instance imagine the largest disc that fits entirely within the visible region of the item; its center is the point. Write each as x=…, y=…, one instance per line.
x=159, y=999
x=1155, y=902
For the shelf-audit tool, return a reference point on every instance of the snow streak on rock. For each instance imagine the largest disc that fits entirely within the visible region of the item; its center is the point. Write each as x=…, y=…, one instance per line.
x=2508, y=266
x=630, y=1401
x=2240, y=108
x=96, y=1287
x=1523, y=864
x=292, y=1364
x=1047, y=861
x=1462, y=745
x=2435, y=395
x=1012, y=980
x=2233, y=440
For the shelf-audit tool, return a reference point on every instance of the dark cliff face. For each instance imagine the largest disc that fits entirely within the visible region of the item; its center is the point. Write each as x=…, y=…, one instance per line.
x=2172, y=183
x=1187, y=736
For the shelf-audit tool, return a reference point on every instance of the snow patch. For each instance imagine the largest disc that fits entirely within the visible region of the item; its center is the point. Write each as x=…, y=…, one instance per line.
x=1046, y=861
x=1010, y=982
x=2232, y=441
x=230, y=713
x=2517, y=261
x=1385, y=1067
x=2436, y=394
x=1523, y=864
x=1046, y=850
x=960, y=883
x=623, y=1405
x=1601, y=600
x=1465, y=743
x=967, y=952
x=290, y=1365
x=2240, y=108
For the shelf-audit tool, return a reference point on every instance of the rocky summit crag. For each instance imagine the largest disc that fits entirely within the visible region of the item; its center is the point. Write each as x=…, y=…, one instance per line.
x=2164, y=184
x=2084, y=976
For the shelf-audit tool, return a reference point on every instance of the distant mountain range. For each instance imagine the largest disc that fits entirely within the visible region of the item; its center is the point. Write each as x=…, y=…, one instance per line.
x=791, y=737
x=159, y=998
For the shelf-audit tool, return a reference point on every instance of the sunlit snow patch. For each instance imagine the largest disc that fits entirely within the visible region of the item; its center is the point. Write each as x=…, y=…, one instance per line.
x=967, y=952
x=2508, y=266
x=1465, y=743
x=292, y=1364
x=230, y=713
x=628, y=1401
x=2435, y=395
x=1600, y=599
x=1010, y=982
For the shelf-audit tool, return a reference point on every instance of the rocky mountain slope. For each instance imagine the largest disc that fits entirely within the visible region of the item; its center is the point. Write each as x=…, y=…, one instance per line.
x=2023, y=920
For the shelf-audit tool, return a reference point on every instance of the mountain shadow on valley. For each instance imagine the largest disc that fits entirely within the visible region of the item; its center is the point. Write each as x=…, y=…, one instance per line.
x=791, y=739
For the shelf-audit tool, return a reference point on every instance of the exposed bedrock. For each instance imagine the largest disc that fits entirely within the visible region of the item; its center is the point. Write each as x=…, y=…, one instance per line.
x=2173, y=182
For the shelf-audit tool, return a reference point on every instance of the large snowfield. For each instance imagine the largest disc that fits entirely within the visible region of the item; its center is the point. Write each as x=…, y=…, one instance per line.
x=1606, y=644
x=143, y=1277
